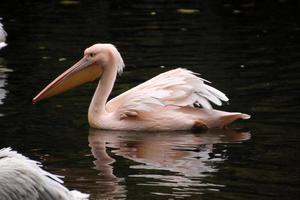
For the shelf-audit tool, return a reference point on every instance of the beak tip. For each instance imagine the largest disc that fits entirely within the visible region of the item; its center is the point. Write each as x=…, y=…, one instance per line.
x=34, y=100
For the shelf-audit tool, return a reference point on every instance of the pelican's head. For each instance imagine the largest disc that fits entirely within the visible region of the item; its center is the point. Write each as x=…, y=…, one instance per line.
x=105, y=55
x=96, y=59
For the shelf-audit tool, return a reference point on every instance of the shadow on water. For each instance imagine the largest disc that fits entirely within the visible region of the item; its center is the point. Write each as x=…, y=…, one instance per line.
x=173, y=164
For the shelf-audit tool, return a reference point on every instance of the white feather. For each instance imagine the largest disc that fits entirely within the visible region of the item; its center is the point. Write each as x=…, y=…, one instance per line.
x=22, y=178
x=178, y=87
x=3, y=35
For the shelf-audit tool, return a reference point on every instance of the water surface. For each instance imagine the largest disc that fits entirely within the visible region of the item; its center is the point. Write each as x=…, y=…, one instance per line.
x=250, y=50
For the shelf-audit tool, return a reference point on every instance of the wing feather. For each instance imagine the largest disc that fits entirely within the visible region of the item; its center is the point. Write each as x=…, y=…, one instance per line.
x=178, y=87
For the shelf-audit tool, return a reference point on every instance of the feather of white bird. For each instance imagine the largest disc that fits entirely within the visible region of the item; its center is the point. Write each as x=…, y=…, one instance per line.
x=178, y=87
x=22, y=178
x=3, y=35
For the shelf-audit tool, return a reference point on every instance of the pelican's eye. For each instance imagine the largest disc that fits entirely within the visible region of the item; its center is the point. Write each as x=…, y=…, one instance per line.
x=92, y=55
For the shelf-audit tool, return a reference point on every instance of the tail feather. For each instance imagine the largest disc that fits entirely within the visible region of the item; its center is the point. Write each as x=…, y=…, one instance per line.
x=227, y=119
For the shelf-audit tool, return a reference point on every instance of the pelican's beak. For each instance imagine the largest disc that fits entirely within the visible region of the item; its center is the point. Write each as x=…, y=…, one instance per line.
x=83, y=71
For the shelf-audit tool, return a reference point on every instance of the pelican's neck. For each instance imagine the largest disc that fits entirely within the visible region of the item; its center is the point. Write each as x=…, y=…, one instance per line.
x=104, y=88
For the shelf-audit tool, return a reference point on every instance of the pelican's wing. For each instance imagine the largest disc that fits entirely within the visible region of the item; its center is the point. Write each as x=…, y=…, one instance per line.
x=22, y=178
x=178, y=87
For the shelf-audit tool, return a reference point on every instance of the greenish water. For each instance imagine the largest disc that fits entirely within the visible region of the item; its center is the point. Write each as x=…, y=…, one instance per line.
x=250, y=50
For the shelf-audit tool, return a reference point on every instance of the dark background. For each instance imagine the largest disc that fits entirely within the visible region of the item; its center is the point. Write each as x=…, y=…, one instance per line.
x=248, y=49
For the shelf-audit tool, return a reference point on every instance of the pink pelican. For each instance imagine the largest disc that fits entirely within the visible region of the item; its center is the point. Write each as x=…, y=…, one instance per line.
x=174, y=100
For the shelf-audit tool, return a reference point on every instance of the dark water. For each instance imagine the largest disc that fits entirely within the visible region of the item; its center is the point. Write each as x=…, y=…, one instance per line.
x=248, y=49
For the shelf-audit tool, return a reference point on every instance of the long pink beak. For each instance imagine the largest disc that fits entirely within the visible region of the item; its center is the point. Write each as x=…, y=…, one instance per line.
x=81, y=72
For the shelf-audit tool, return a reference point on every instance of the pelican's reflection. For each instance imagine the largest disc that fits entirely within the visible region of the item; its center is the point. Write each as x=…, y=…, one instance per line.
x=3, y=81
x=3, y=92
x=3, y=76
x=171, y=159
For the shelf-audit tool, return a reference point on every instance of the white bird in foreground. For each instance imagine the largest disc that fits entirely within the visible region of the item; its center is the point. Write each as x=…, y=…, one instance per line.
x=24, y=179
x=167, y=102
x=3, y=35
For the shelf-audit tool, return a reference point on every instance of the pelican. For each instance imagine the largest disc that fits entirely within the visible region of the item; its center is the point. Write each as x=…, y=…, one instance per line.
x=174, y=100
x=22, y=178
x=3, y=35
